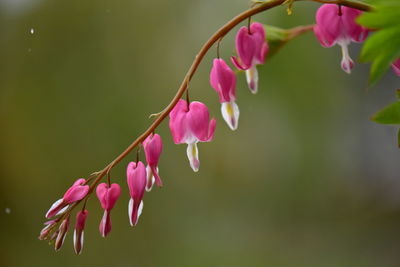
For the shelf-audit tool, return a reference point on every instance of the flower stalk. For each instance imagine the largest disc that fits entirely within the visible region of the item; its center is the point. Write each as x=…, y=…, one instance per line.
x=106, y=198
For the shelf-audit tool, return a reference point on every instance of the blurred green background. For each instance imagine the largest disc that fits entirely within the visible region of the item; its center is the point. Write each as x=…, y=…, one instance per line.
x=306, y=180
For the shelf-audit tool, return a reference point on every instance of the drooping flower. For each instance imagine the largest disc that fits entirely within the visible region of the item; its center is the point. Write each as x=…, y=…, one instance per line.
x=75, y=193
x=337, y=25
x=81, y=217
x=396, y=67
x=223, y=80
x=190, y=124
x=252, y=49
x=107, y=196
x=152, y=148
x=136, y=179
x=61, y=233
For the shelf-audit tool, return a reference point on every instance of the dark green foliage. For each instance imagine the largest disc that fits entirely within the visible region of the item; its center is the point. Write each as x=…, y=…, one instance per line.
x=383, y=46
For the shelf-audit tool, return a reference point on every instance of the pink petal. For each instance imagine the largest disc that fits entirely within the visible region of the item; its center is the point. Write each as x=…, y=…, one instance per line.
x=108, y=196
x=154, y=171
x=211, y=130
x=328, y=28
x=76, y=193
x=223, y=80
x=81, y=217
x=396, y=67
x=136, y=179
x=236, y=62
x=258, y=34
x=105, y=224
x=177, y=122
x=197, y=120
x=62, y=233
x=55, y=208
x=245, y=46
x=134, y=211
x=152, y=148
x=352, y=29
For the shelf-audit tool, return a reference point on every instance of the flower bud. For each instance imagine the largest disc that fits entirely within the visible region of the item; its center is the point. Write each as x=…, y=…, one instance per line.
x=62, y=233
x=81, y=217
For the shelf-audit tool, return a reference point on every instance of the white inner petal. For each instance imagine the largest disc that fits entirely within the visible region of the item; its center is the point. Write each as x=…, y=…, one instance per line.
x=130, y=210
x=193, y=156
x=252, y=79
x=230, y=113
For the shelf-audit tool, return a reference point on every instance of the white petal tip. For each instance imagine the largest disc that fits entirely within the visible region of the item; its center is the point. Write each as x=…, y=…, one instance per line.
x=230, y=113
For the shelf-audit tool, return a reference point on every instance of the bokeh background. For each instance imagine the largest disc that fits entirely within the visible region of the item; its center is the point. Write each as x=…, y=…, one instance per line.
x=306, y=180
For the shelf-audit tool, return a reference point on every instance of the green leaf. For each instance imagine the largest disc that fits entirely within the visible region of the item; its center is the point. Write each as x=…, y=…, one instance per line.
x=382, y=47
x=276, y=38
x=389, y=115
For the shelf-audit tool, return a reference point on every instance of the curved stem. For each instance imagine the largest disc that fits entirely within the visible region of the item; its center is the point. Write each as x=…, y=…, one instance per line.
x=199, y=57
x=258, y=8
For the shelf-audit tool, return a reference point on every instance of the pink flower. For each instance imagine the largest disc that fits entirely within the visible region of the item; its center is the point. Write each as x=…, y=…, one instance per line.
x=136, y=179
x=396, y=67
x=81, y=217
x=107, y=196
x=152, y=148
x=252, y=49
x=190, y=124
x=223, y=80
x=337, y=25
x=61, y=233
x=75, y=193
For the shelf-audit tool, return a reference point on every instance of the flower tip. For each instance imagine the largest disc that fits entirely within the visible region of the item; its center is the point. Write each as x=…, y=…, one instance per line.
x=252, y=79
x=230, y=113
x=134, y=212
x=347, y=64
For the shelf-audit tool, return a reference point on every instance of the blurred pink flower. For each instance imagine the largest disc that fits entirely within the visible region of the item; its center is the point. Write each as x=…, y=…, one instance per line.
x=337, y=25
x=396, y=67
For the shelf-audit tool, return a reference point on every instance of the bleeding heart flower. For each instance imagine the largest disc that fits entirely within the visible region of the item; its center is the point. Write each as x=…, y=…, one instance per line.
x=152, y=148
x=252, y=49
x=337, y=25
x=81, y=217
x=136, y=179
x=223, y=80
x=75, y=193
x=190, y=124
x=108, y=196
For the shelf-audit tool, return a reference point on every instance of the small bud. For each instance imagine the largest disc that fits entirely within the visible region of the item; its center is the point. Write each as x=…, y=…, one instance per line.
x=62, y=233
x=81, y=217
x=46, y=230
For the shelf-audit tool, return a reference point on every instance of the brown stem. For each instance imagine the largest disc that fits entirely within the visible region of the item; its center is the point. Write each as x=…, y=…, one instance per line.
x=259, y=7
